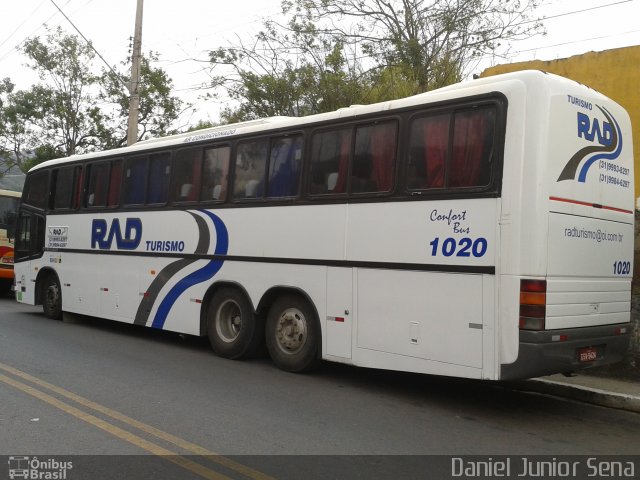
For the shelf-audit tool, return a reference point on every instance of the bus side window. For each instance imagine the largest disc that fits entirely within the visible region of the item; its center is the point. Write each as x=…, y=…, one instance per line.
x=216, y=174
x=284, y=167
x=115, y=180
x=374, y=158
x=97, y=184
x=428, y=147
x=159, y=176
x=472, y=147
x=251, y=163
x=63, y=188
x=187, y=175
x=135, y=180
x=37, y=190
x=330, y=152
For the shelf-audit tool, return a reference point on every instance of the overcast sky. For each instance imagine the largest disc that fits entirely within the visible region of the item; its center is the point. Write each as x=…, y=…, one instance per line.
x=183, y=31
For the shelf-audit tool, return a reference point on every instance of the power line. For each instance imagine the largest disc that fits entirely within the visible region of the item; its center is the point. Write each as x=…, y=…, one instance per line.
x=575, y=41
x=91, y=46
x=23, y=22
x=579, y=11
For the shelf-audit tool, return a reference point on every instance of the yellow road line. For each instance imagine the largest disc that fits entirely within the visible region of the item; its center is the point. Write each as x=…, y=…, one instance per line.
x=117, y=431
x=179, y=442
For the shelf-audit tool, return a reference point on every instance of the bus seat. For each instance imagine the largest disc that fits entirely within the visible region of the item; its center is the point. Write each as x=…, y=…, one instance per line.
x=185, y=190
x=251, y=189
x=216, y=192
x=332, y=180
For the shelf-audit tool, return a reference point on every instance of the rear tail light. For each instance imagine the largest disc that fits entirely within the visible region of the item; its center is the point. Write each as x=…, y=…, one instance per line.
x=533, y=301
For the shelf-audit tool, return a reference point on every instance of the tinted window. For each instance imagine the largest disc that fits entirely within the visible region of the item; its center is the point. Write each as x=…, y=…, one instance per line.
x=8, y=209
x=98, y=184
x=37, y=189
x=284, y=167
x=429, y=147
x=374, y=158
x=135, y=180
x=330, y=152
x=251, y=163
x=187, y=172
x=472, y=148
x=30, y=239
x=115, y=181
x=216, y=173
x=451, y=150
x=159, y=175
x=64, y=187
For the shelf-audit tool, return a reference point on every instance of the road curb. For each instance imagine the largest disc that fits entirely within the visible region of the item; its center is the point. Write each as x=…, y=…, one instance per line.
x=594, y=396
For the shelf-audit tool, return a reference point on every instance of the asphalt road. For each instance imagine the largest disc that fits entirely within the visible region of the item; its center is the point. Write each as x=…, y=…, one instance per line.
x=118, y=397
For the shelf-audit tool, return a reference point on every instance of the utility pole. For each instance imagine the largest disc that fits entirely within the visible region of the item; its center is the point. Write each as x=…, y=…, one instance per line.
x=134, y=101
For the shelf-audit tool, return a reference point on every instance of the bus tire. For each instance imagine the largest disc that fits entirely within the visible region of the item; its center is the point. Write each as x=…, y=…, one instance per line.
x=232, y=326
x=52, y=298
x=292, y=334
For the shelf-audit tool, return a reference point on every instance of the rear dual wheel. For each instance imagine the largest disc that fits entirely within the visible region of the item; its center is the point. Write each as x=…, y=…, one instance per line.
x=234, y=330
x=292, y=334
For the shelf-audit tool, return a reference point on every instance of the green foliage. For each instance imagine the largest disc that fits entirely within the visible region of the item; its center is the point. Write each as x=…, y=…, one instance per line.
x=74, y=109
x=158, y=108
x=334, y=53
x=65, y=104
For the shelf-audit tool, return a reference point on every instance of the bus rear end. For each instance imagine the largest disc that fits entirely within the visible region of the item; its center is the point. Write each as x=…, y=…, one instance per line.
x=575, y=290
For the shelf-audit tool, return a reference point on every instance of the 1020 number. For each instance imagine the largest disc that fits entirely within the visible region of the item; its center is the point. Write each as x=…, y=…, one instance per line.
x=621, y=268
x=465, y=247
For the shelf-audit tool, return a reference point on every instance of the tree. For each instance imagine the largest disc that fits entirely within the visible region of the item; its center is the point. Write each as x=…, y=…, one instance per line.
x=158, y=108
x=430, y=41
x=292, y=73
x=73, y=109
x=18, y=110
x=332, y=53
x=68, y=116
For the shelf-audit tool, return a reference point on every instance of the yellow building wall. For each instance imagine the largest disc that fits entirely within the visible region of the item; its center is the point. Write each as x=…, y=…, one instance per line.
x=615, y=73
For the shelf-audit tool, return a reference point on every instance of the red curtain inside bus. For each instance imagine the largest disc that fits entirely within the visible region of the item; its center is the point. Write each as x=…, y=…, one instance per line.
x=383, y=146
x=472, y=135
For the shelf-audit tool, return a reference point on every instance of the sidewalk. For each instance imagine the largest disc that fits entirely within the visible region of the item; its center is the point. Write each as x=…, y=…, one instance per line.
x=621, y=393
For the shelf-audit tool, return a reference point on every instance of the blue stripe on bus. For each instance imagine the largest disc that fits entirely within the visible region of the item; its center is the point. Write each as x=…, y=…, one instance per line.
x=205, y=273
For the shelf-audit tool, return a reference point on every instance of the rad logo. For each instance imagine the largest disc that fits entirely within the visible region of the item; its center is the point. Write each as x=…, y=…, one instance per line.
x=604, y=134
x=36, y=469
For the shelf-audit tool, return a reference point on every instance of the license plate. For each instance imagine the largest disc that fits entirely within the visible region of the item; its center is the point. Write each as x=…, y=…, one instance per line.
x=588, y=354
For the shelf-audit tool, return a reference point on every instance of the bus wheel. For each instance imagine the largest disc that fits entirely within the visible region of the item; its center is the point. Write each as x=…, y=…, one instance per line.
x=52, y=298
x=292, y=334
x=232, y=326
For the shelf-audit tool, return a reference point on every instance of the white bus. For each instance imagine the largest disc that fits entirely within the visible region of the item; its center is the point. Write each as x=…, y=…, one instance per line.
x=483, y=230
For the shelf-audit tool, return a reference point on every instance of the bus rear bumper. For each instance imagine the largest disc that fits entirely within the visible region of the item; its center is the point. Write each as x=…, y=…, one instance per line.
x=560, y=351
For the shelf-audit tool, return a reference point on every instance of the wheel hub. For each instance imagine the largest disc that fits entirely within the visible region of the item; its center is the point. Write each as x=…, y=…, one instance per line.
x=291, y=331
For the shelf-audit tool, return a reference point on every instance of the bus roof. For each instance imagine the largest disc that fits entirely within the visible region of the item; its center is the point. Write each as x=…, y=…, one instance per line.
x=10, y=193
x=466, y=88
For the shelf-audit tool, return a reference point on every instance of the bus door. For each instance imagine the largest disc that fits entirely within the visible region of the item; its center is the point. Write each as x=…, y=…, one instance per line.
x=29, y=246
